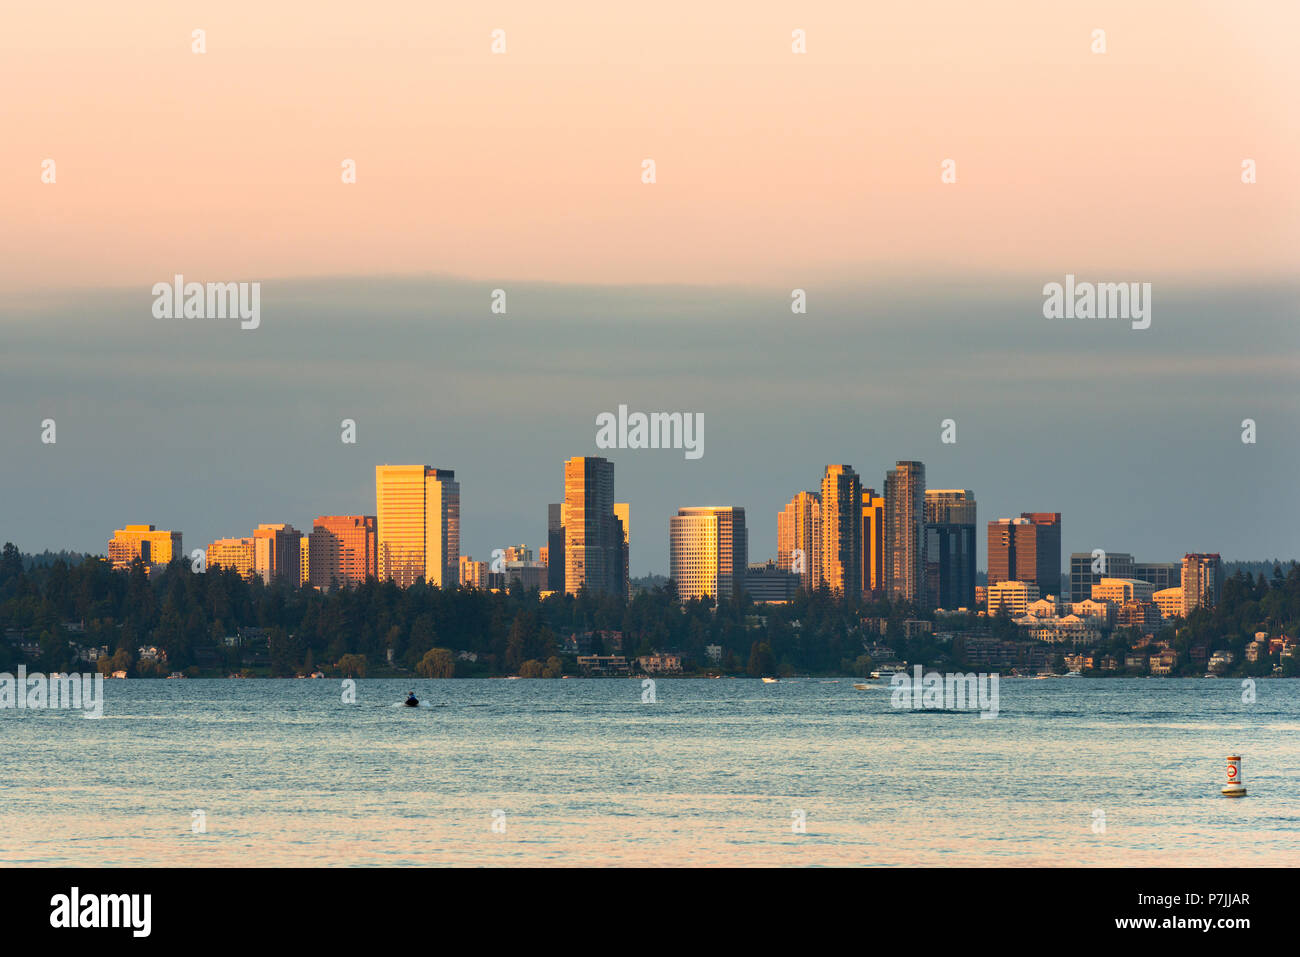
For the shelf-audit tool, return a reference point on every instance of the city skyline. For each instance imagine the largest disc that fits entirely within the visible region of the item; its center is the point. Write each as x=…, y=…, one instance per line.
x=476, y=384
x=497, y=395
x=945, y=515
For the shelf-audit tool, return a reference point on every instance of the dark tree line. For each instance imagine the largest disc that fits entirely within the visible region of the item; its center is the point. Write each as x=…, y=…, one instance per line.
x=189, y=616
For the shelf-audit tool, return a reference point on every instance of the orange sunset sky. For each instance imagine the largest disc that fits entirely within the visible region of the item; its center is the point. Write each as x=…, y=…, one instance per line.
x=771, y=166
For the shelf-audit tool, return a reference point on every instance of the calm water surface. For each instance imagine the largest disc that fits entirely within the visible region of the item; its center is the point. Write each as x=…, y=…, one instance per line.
x=586, y=774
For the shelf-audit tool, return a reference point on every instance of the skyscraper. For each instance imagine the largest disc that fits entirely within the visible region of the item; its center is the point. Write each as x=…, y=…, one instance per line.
x=708, y=551
x=1202, y=581
x=344, y=550
x=304, y=560
x=841, y=523
x=799, y=539
x=555, y=546
x=950, y=548
x=873, y=543
x=594, y=550
x=1027, y=549
x=623, y=512
x=277, y=552
x=905, y=554
x=417, y=511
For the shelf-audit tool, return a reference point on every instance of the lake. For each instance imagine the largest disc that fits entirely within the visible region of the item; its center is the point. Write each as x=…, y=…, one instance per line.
x=714, y=772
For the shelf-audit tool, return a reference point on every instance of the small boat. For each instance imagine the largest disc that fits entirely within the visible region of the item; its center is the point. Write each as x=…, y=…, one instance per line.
x=770, y=681
x=175, y=674
x=411, y=700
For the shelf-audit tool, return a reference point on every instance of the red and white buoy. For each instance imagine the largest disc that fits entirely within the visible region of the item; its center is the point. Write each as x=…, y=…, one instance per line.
x=1234, y=788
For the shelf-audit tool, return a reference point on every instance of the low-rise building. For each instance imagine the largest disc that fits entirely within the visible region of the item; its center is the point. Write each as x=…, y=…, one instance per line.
x=1071, y=629
x=1142, y=615
x=1221, y=660
x=1164, y=663
x=993, y=653
x=604, y=665
x=1101, y=612
x=660, y=663
x=1047, y=607
x=768, y=583
x=529, y=573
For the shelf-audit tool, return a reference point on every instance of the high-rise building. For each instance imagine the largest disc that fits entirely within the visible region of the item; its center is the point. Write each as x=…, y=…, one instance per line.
x=873, y=543
x=151, y=545
x=473, y=574
x=1028, y=549
x=708, y=551
x=594, y=549
x=235, y=553
x=1142, y=615
x=555, y=547
x=950, y=548
x=344, y=550
x=905, y=554
x=304, y=560
x=623, y=512
x=1016, y=596
x=417, y=510
x=1202, y=581
x=1121, y=590
x=277, y=551
x=1169, y=601
x=799, y=539
x=841, y=514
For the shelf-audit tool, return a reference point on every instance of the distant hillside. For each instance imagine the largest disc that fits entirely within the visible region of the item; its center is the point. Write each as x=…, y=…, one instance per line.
x=1255, y=569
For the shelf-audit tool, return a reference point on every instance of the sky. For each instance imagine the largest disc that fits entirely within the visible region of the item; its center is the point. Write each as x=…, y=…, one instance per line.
x=775, y=171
